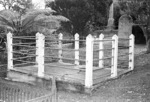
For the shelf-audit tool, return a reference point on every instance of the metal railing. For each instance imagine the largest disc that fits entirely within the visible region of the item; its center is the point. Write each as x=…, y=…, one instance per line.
x=86, y=53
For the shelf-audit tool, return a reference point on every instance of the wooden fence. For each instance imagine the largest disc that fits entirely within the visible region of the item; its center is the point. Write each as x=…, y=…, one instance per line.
x=89, y=50
x=22, y=92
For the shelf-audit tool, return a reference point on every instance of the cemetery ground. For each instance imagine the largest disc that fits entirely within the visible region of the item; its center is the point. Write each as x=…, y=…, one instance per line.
x=131, y=87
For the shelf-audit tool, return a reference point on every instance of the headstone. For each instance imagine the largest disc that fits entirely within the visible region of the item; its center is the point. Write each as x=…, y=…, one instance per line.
x=124, y=29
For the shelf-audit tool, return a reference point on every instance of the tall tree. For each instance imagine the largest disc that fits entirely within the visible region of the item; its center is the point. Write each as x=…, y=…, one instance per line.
x=82, y=13
x=101, y=10
x=77, y=11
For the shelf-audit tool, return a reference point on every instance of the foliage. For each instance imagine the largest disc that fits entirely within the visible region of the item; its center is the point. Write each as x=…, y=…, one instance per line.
x=20, y=6
x=101, y=10
x=19, y=18
x=77, y=11
x=82, y=13
x=140, y=10
x=16, y=5
x=33, y=21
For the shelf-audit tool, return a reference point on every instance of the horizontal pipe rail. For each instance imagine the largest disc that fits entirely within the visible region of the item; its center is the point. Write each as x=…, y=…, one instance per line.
x=23, y=43
x=63, y=49
x=24, y=57
x=55, y=43
x=23, y=53
x=103, y=40
x=66, y=58
x=15, y=65
x=103, y=49
x=124, y=55
x=25, y=38
x=122, y=47
x=22, y=36
x=15, y=51
x=51, y=55
x=73, y=59
x=25, y=46
x=63, y=40
x=105, y=58
x=24, y=61
x=124, y=39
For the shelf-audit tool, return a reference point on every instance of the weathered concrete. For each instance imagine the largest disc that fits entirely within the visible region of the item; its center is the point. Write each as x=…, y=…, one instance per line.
x=66, y=79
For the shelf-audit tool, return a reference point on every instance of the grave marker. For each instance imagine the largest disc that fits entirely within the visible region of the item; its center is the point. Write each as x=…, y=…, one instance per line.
x=125, y=29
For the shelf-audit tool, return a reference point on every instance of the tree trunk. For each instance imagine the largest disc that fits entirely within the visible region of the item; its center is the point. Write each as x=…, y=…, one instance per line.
x=147, y=35
x=148, y=45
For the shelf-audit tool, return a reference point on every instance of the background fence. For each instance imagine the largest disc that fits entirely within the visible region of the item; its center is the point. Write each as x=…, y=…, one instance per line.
x=22, y=92
x=89, y=55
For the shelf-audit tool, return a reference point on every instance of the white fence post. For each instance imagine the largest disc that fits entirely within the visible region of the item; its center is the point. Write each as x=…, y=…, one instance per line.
x=131, y=52
x=10, y=51
x=77, y=49
x=101, y=52
x=60, y=47
x=89, y=62
x=115, y=56
x=37, y=38
x=40, y=51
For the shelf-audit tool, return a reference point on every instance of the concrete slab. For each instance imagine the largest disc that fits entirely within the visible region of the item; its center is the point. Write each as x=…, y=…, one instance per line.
x=68, y=76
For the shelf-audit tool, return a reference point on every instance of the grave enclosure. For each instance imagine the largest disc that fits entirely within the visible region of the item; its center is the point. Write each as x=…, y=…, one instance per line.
x=79, y=68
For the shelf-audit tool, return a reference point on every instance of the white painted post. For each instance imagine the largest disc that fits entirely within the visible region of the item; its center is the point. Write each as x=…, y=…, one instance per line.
x=60, y=47
x=77, y=49
x=115, y=56
x=101, y=52
x=10, y=51
x=37, y=38
x=40, y=59
x=89, y=61
x=131, y=52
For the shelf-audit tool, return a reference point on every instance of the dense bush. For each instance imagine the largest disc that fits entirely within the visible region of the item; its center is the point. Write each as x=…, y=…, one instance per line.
x=84, y=15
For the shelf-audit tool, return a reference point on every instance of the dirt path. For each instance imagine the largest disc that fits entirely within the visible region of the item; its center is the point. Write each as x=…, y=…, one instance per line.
x=132, y=87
